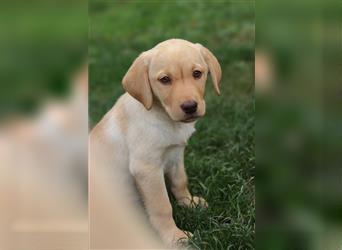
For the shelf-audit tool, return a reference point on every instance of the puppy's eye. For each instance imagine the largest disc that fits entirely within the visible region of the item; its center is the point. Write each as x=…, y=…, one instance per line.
x=197, y=74
x=165, y=80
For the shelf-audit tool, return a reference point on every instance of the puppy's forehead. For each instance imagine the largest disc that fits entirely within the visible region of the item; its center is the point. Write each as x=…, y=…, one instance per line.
x=177, y=55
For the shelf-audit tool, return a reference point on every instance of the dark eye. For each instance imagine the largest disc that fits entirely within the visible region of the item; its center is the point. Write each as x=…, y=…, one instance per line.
x=197, y=74
x=165, y=80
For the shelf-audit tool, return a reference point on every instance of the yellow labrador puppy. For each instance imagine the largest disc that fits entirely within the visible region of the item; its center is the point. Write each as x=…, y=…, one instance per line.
x=142, y=138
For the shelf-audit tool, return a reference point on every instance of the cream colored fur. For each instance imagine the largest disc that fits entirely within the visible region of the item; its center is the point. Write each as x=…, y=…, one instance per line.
x=142, y=138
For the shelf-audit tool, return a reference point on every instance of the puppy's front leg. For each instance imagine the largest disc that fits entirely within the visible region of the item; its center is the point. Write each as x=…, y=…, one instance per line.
x=179, y=186
x=151, y=184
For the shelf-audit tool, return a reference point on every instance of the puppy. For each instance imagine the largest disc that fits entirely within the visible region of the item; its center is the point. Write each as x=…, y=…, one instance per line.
x=142, y=138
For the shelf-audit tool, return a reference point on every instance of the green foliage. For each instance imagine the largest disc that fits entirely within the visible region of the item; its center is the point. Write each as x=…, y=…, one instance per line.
x=220, y=157
x=41, y=46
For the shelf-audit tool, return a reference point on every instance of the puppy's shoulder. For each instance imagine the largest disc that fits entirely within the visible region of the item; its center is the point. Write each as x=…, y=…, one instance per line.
x=115, y=122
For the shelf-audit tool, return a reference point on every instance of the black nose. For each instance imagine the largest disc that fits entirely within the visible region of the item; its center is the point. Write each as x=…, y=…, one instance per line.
x=189, y=107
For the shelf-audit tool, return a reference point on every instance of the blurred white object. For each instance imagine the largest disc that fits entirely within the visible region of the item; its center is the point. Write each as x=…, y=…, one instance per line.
x=43, y=181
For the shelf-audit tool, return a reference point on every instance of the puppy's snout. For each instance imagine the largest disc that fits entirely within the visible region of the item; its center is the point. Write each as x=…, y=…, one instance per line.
x=189, y=107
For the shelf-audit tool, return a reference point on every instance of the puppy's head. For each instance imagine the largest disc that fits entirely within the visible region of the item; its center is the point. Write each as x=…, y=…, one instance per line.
x=173, y=73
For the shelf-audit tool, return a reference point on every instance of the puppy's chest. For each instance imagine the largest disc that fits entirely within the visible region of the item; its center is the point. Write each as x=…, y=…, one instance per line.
x=171, y=157
x=174, y=146
x=176, y=136
x=159, y=143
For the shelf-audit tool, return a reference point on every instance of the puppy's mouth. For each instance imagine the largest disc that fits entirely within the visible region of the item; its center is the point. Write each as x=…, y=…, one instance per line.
x=190, y=119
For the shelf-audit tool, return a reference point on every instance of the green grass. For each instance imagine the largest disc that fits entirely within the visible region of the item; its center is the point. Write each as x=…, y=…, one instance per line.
x=220, y=158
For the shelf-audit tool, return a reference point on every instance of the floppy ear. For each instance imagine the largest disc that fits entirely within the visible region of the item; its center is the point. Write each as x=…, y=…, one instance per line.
x=214, y=66
x=136, y=81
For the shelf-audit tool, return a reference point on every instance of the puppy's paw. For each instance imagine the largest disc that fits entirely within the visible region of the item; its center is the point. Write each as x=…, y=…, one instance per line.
x=195, y=201
x=176, y=238
x=199, y=201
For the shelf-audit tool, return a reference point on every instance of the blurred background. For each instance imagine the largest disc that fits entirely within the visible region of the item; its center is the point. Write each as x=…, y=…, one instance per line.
x=219, y=159
x=298, y=125
x=43, y=125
